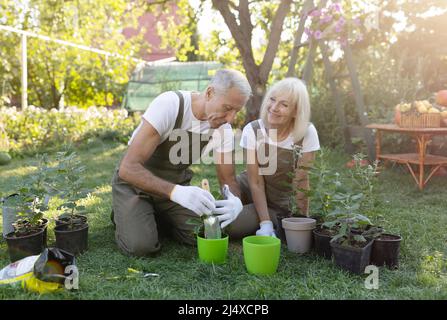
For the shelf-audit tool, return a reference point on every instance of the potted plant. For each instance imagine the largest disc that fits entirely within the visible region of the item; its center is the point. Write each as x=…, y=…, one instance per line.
x=351, y=250
x=385, y=249
x=71, y=226
x=24, y=212
x=212, y=243
x=324, y=183
x=28, y=235
x=299, y=233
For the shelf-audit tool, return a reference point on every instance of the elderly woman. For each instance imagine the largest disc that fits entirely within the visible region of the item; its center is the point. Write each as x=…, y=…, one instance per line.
x=279, y=146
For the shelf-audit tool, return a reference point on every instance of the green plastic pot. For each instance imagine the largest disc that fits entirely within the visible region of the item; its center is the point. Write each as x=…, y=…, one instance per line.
x=212, y=250
x=261, y=254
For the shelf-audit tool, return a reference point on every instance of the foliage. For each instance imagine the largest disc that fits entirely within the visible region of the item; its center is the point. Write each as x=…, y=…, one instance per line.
x=36, y=129
x=352, y=202
x=81, y=77
x=347, y=222
x=333, y=22
x=364, y=178
x=324, y=184
x=418, y=216
x=31, y=200
x=70, y=186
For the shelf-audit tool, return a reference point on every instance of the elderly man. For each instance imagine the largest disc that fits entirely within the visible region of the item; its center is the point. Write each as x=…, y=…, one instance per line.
x=151, y=188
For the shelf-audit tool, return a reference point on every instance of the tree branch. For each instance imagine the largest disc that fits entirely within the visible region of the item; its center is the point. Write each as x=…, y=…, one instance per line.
x=245, y=22
x=307, y=7
x=275, y=37
x=243, y=44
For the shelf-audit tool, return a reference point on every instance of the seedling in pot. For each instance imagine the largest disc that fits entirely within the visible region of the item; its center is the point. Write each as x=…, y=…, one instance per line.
x=208, y=225
x=31, y=201
x=70, y=185
x=347, y=219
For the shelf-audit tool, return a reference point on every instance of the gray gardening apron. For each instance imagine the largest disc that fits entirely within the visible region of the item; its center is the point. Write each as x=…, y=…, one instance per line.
x=128, y=199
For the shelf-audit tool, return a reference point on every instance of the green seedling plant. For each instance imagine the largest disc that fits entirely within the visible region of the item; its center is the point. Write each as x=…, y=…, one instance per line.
x=31, y=200
x=324, y=183
x=208, y=226
x=364, y=179
x=346, y=218
x=70, y=182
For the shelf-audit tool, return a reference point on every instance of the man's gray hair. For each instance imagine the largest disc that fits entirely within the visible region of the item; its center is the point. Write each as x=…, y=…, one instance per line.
x=225, y=79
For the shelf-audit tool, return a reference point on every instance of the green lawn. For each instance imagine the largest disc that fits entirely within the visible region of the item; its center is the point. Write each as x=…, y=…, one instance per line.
x=420, y=217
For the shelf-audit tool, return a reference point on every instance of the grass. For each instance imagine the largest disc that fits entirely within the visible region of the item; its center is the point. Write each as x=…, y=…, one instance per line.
x=420, y=217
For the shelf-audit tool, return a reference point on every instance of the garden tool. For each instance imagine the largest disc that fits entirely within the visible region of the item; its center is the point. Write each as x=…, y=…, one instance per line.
x=211, y=223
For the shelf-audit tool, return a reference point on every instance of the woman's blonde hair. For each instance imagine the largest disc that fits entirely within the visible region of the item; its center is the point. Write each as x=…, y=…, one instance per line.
x=298, y=97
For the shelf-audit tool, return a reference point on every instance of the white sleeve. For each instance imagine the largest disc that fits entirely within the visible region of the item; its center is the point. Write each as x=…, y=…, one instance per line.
x=223, y=139
x=248, y=138
x=162, y=113
x=311, y=141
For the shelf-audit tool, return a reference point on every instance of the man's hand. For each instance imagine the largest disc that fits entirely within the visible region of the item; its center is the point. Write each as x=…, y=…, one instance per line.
x=228, y=209
x=266, y=229
x=194, y=198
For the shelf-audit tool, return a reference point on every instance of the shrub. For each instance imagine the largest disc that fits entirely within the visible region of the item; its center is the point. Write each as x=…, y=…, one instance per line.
x=35, y=129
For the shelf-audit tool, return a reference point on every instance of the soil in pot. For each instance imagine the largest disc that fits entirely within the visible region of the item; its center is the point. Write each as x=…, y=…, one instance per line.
x=25, y=245
x=353, y=258
x=78, y=220
x=73, y=240
x=322, y=245
x=385, y=251
x=298, y=233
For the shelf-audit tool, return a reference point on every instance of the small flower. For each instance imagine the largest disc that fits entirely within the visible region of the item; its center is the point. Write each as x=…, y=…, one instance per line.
x=338, y=28
x=341, y=21
x=336, y=7
x=318, y=34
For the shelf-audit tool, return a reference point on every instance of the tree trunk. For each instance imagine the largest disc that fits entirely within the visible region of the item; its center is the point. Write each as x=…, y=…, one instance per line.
x=242, y=33
x=359, y=101
x=348, y=147
x=307, y=7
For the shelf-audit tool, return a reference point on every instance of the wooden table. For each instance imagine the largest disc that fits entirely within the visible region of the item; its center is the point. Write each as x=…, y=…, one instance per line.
x=420, y=158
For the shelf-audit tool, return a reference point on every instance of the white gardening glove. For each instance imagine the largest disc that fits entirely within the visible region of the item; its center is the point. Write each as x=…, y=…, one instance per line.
x=193, y=198
x=228, y=209
x=266, y=229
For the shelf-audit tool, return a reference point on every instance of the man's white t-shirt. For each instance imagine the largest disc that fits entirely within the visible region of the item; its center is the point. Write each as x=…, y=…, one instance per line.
x=249, y=141
x=162, y=114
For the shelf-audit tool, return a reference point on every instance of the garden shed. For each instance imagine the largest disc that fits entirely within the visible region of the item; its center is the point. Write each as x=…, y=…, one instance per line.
x=149, y=80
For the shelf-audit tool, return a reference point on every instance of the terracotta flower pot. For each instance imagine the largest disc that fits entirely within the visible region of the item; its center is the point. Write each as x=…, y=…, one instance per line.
x=299, y=233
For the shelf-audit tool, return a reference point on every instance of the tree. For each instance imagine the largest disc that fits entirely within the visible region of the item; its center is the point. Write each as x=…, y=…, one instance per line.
x=83, y=78
x=241, y=29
